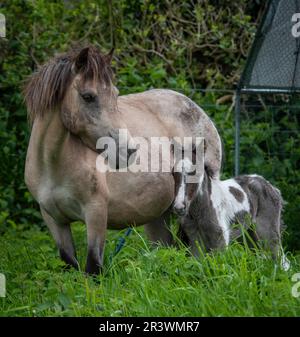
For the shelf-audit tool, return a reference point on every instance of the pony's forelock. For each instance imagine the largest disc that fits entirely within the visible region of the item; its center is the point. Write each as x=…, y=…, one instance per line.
x=45, y=89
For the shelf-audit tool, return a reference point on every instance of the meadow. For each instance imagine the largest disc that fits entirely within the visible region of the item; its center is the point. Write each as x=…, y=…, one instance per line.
x=142, y=280
x=186, y=46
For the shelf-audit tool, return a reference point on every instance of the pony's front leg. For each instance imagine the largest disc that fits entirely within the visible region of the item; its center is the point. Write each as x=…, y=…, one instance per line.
x=96, y=223
x=62, y=235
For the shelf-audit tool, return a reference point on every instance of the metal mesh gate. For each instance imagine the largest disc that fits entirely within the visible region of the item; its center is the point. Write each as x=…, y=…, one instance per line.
x=267, y=108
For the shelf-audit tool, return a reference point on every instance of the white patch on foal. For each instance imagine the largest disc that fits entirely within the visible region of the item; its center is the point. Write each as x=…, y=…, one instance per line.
x=226, y=205
x=285, y=263
x=184, y=166
x=179, y=201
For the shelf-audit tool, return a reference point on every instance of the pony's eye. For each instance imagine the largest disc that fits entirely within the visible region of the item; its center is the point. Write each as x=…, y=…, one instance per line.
x=88, y=97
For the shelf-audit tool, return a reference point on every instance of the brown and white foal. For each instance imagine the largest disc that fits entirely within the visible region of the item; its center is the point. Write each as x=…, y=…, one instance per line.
x=209, y=207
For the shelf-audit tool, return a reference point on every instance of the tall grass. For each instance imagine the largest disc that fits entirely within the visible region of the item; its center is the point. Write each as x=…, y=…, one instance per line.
x=141, y=280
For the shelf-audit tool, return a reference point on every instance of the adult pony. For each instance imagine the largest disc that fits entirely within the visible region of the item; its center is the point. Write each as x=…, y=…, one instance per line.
x=71, y=102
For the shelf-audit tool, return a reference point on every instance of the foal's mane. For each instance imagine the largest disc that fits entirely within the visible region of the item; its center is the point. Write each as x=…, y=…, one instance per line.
x=45, y=88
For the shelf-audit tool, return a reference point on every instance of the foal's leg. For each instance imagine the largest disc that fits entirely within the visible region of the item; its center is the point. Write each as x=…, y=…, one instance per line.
x=96, y=232
x=158, y=231
x=63, y=237
x=191, y=235
x=270, y=234
x=203, y=237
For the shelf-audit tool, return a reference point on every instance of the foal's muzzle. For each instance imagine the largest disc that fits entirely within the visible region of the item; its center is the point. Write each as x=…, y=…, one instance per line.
x=125, y=158
x=180, y=210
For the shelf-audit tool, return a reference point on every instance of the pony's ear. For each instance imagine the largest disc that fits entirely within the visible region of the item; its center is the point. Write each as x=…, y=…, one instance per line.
x=81, y=59
x=108, y=57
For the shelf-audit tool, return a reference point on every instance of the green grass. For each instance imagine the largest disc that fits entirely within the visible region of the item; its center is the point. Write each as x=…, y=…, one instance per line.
x=141, y=281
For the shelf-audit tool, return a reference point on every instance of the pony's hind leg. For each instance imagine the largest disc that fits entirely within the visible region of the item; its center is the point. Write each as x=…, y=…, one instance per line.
x=62, y=235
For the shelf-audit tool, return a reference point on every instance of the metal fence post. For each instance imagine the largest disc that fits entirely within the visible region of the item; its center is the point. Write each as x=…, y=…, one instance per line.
x=237, y=132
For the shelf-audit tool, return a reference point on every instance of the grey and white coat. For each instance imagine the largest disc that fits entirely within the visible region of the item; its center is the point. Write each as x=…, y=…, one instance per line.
x=210, y=207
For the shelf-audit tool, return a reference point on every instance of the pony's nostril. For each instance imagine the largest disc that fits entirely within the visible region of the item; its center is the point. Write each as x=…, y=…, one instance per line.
x=131, y=151
x=131, y=155
x=100, y=151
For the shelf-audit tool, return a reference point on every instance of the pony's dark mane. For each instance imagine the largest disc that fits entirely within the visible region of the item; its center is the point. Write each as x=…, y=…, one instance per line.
x=45, y=89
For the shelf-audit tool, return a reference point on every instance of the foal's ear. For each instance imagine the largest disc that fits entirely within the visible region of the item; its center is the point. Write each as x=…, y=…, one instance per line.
x=201, y=147
x=81, y=59
x=108, y=57
x=194, y=148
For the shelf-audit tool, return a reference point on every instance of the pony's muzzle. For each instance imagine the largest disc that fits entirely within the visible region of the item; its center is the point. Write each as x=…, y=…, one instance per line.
x=130, y=156
x=100, y=151
x=125, y=158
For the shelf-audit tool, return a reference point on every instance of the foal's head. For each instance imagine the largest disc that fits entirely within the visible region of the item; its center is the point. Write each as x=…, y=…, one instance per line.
x=79, y=85
x=188, y=178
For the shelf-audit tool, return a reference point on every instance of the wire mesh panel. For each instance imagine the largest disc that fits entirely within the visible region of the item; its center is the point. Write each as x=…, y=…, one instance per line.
x=267, y=126
x=273, y=62
x=270, y=146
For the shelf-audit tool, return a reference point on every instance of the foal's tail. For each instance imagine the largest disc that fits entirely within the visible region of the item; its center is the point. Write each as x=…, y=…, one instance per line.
x=275, y=195
x=269, y=197
x=262, y=185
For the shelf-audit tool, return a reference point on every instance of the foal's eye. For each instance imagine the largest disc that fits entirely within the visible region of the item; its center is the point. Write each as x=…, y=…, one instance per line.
x=88, y=97
x=192, y=173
